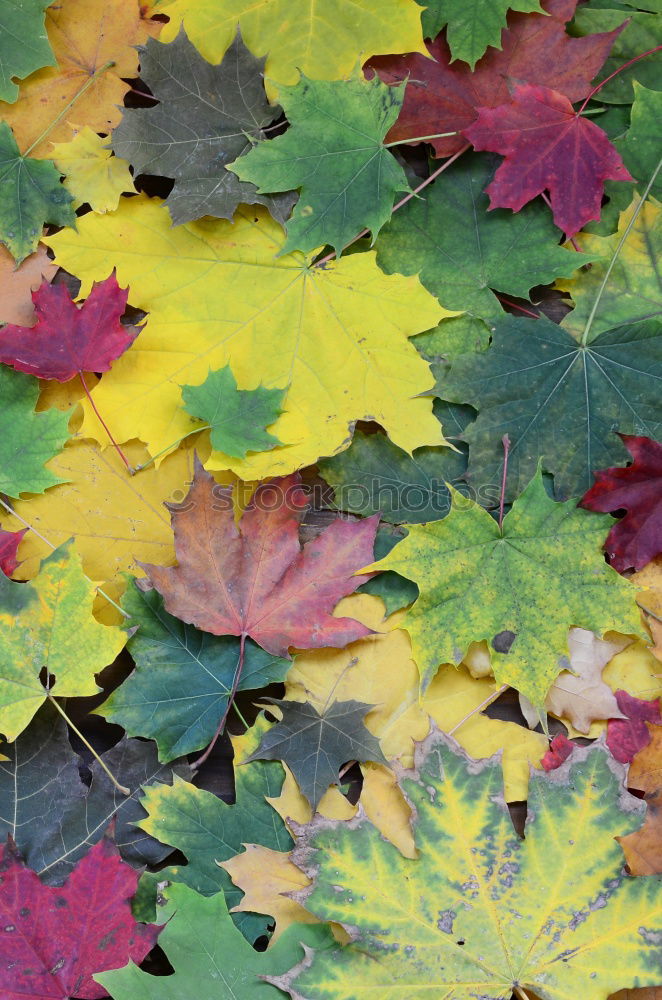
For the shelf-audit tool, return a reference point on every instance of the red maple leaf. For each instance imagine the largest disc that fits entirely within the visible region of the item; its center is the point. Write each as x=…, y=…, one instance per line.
x=547, y=146
x=9, y=542
x=636, y=538
x=560, y=749
x=441, y=97
x=254, y=579
x=55, y=938
x=68, y=339
x=626, y=737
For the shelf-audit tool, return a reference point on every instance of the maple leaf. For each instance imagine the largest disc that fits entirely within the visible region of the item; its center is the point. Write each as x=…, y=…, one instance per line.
x=32, y=195
x=466, y=887
x=337, y=336
x=551, y=394
x=92, y=175
x=93, y=42
x=48, y=625
x=24, y=45
x=54, y=818
x=9, y=543
x=66, y=934
x=315, y=746
x=643, y=848
x=637, y=538
x=18, y=283
x=267, y=586
x=67, y=340
x=237, y=418
x=547, y=145
x=27, y=439
x=650, y=600
x=627, y=736
x=640, y=32
x=207, y=116
x=560, y=749
x=461, y=252
x=486, y=572
x=640, y=147
x=623, y=278
x=472, y=25
x=535, y=49
x=183, y=677
x=209, y=955
x=334, y=154
x=360, y=28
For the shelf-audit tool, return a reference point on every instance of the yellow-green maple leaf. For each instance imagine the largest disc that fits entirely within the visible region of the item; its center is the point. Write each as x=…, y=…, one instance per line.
x=481, y=912
x=217, y=294
x=324, y=40
x=48, y=624
x=92, y=173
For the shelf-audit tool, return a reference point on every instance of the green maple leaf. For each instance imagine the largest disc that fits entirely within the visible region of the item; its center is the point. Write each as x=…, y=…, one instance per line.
x=462, y=251
x=212, y=961
x=472, y=24
x=207, y=116
x=641, y=147
x=558, y=400
x=315, y=746
x=520, y=589
x=482, y=912
x=183, y=677
x=31, y=195
x=27, y=439
x=24, y=45
x=642, y=31
x=334, y=153
x=237, y=418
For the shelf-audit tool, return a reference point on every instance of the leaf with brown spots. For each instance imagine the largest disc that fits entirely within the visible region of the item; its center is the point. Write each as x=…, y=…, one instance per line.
x=643, y=848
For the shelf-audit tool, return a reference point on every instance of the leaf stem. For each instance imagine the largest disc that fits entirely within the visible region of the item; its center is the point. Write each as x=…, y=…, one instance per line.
x=120, y=788
x=104, y=424
x=86, y=86
x=197, y=764
x=488, y=701
x=520, y=993
x=174, y=444
x=505, y=441
x=30, y=527
x=403, y=201
x=516, y=305
x=620, y=69
x=621, y=242
x=419, y=138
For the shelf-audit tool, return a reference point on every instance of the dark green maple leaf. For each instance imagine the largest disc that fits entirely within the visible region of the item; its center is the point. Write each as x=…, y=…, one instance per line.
x=207, y=116
x=472, y=25
x=315, y=746
x=462, y=251
x=27, y=439
x=24, y=45
x=557, y=400
x=335, y=154
x=31, y=195
x=183, y=677
x=237, y=418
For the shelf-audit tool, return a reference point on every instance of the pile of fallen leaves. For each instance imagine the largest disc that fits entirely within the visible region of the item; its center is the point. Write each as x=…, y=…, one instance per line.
x=331, y=499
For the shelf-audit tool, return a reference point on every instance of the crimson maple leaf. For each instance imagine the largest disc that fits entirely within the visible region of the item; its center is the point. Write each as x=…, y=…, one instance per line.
x=54, y=939
x=441, y=97
x=626, y=737
x=68, y=339
x=9, y=542
x=547, y=146
x=636, y=538
x=255, y=579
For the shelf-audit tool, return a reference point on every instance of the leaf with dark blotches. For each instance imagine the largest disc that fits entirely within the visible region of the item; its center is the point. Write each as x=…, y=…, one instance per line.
x=547, y=145
x=637, y=488
x=9, y=543
x=56, y=938
x=626, y=737
x=254, y=579
x=443, y=97
x=315, y=746
x=68, y=339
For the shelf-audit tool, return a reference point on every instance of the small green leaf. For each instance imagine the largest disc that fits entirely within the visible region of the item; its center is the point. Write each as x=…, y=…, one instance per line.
x=24, y=45
x=472, y=24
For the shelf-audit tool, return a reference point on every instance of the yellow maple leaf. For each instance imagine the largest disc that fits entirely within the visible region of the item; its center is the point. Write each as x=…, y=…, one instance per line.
x=94, y=44
x=650, y=601
x=325, y=41
x=217, y=293
x=92, y=173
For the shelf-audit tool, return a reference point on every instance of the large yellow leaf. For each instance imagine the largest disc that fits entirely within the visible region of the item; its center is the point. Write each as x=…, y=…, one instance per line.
x=325, y=40
x=92, y=174
x=93, y=42
x=217, y=294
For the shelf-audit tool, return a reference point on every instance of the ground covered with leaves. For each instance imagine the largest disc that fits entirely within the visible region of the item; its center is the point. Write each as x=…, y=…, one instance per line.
x=331, y=500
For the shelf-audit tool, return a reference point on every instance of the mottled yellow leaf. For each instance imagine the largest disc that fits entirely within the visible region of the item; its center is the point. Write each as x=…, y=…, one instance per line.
x=92, y=173
x=336, y=337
